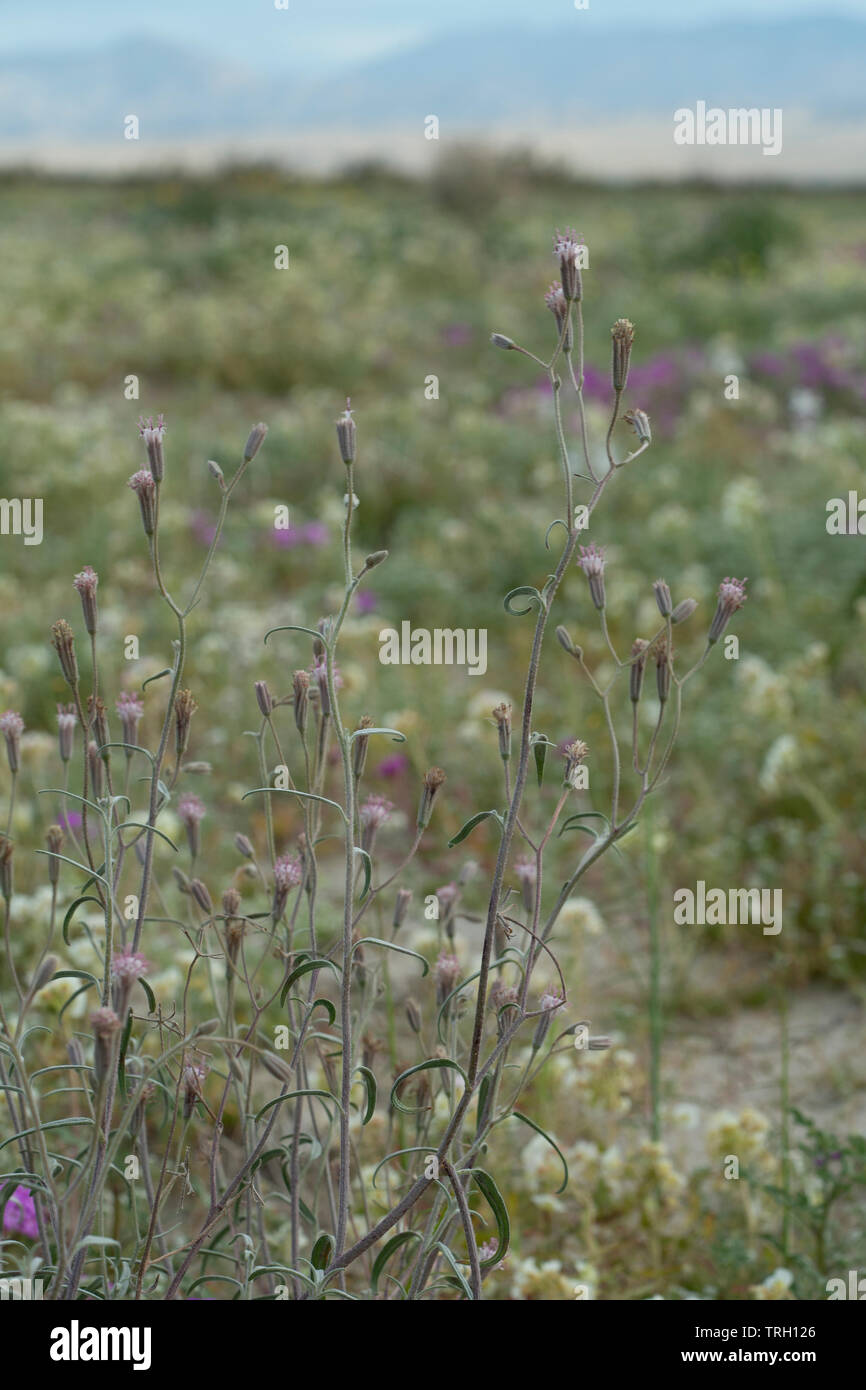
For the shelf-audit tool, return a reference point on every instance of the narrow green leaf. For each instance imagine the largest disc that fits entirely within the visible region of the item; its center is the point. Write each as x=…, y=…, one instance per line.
x=370, y=1083
x=471, y=824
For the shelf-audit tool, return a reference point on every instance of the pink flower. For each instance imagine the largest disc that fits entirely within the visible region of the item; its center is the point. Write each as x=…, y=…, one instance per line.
x=375, y=811
x=19, y=1214
x=287, y=872
x=191, y=809
x=128, y=966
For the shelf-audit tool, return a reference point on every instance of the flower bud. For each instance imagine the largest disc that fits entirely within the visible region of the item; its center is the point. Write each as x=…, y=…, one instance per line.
x=377, y=558
x=638, y=665
x=413, y=1014
x=216, y=472
x=63, y=641
x=94, y=765
x=499, y=340
x=201, y=895
x=432, y=782
x=591, y=560
x=683, y=610
x=44, y=975
x=346, y=435
x=663, y=598
x=66, y=722
x=264, y=698
x=567, y=249
x=401, y=906
x=360, y=744
x=153, y=435
x=54, y=838
x=301, y=686
x=663, y=670
x=184, y=709
x=622, y=334
x=639, y=421
x=244, y=846
x=12, y=727
x=502, y=715
x=558, y=306
x=255, y=440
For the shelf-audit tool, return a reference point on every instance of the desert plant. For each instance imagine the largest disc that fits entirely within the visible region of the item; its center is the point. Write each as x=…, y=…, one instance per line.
x=247, y=1052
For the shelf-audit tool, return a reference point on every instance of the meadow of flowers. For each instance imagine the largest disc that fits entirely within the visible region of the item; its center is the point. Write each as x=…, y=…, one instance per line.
x=284, y=926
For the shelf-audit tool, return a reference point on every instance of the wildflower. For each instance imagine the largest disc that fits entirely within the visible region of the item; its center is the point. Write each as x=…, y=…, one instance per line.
x=622, y=334
x=144, y=487
x=346, y=434
x=128, y=966
x=542, y=1282
x=12, y=727
x=86, y=582
x=591, y=560
x=184, y=709
x=130, y=710
x=576, y=754
x=19, y=1214
x=446, y=974
x=567, y=248
x=558, y=306
x=288, y=873
x=638, y=664
x=373, y=814
x=63, y=641
x=433, y=780
x=255, y=440
x=153, y=435
x=732, y=595
x=191, y=810
x=66, y=722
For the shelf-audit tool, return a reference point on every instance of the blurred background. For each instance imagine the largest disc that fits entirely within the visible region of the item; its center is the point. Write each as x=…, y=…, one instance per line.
x=154, y=257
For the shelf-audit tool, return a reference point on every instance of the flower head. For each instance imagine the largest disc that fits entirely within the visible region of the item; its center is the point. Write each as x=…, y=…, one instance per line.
x=732, y=595
x=153, y=435
x=12, y=727
x=567, y=249
x=143, y=485
x=19, y=1214
x=128, y=966
x=592, y=561
x=130, y=709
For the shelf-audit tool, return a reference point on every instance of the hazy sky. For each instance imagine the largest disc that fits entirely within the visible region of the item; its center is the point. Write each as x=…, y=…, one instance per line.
x=317, y=34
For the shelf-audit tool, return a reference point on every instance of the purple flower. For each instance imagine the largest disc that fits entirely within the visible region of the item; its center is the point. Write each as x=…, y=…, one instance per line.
x=393, y=766
x=70, y=820
x=366, y=601
x=19, y=1215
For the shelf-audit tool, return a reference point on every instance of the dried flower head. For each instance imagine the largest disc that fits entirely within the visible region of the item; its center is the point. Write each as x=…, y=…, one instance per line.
x=144, y=487
x=12, y=727
x=622, y=335
x=640, y=423
x=433, y=780
x=87, y=582
x=153, y=435
x=558, y=306
x=63, y=641
x=567, y=249
x=732, y=595
x=576, y=754
x=446, y=973
x=591, y=560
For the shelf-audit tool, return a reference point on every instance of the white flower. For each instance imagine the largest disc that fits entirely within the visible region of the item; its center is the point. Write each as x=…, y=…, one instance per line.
x=775, y=1287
